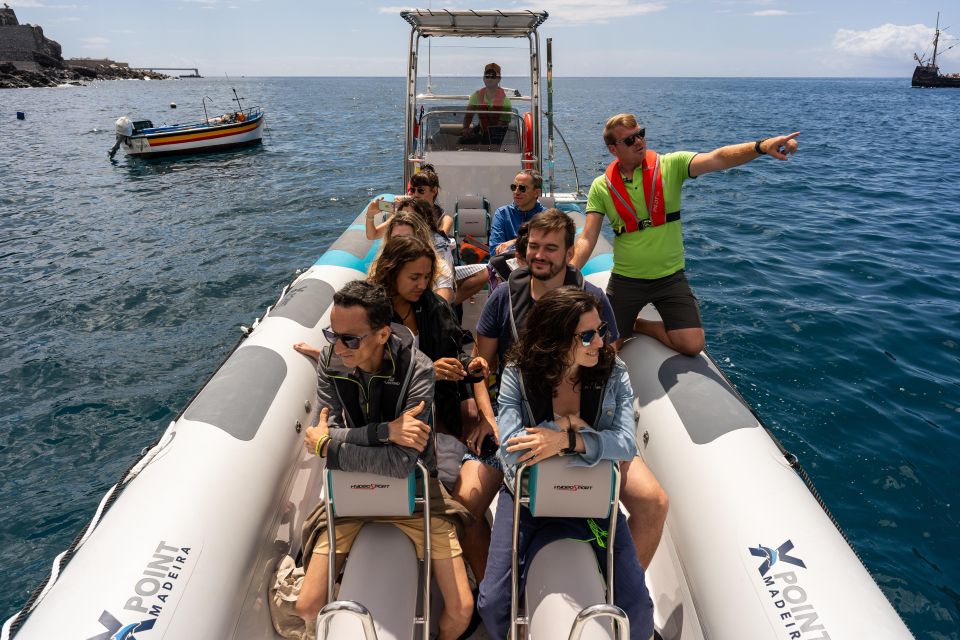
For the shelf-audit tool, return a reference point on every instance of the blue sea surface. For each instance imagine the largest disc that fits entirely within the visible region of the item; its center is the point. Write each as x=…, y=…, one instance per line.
x=829, y=284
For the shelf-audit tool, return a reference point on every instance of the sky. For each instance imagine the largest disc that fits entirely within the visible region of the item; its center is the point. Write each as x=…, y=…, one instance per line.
x=672, y=38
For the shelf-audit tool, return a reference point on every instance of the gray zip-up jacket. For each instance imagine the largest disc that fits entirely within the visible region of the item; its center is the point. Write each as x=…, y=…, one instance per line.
x=359, y=413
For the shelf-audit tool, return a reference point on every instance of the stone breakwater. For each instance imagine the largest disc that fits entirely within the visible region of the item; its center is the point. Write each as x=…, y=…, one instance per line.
x=13, y=78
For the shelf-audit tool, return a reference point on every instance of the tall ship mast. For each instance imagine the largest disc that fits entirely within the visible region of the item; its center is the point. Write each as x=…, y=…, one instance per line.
x=927, y=73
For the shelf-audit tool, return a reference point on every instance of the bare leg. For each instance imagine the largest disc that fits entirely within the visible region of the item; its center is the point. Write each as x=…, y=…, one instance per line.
x=689, y=342
x=471, y=286
x=313, y=591
x=476, y=487
x=451, y=576
x=647, y=503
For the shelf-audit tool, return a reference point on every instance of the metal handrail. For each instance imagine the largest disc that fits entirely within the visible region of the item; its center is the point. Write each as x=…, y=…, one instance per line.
x=424, y=619
x=593, y=611
x=617, y=614
x=346, y=606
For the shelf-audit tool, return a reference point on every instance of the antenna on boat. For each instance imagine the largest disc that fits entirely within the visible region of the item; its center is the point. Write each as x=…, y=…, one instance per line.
x=550, y=160
x=430, y=58
x=236, y=99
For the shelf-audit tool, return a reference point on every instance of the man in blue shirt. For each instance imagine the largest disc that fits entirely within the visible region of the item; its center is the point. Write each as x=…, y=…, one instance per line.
x=527, y=187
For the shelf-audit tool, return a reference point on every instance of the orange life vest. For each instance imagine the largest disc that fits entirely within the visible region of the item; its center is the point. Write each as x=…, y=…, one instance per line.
x=652, y=188
x=489, y=120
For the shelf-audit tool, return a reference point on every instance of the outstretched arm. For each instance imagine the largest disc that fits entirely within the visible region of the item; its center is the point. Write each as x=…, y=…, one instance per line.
x=736, y=154
x=587, y=240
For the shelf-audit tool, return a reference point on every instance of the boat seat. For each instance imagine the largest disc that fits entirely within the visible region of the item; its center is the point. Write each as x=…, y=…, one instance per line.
x=367, y=494
x=548, y=202
x=381, y=573
x=471, y=218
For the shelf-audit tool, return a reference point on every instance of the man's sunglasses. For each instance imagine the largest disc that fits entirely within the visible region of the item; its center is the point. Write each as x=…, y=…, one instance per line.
x=522, y=188
x=349, y=341
x=418, y=190
x=632, y=138
x=586, y=337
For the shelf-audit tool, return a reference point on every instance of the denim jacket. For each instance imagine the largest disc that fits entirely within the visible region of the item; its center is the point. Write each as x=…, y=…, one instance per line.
x=614, y=438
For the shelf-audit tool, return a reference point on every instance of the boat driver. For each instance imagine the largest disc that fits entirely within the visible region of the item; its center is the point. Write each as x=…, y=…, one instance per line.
x=491, y=97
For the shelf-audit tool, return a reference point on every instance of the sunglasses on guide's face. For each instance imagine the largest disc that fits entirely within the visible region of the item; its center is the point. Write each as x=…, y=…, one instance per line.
x=349, y=341
x=586, y=337
x=522, y=188
x=490, y=75
x=630, y=140
x=418, y=190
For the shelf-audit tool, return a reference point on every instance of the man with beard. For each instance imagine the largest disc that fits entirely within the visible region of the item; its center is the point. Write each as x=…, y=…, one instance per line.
x=549, y=250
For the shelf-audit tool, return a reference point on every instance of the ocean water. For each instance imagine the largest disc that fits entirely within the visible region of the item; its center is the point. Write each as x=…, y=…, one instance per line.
x=829, y=284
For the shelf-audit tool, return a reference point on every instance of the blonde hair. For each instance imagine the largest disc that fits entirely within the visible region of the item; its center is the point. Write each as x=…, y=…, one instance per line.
x=625, y=120
x=403, y=218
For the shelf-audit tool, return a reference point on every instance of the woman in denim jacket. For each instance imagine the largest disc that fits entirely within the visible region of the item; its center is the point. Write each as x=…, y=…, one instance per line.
x=580, y=396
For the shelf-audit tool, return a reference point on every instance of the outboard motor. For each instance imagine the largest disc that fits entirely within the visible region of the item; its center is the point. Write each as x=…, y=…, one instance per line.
x=124, y=130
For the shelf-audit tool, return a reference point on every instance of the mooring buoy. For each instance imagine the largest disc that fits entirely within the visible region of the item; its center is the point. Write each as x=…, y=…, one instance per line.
x=21, y=115
x=173, y=105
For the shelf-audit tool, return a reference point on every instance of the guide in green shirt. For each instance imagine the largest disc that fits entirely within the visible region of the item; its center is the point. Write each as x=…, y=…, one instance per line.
x=648, y=265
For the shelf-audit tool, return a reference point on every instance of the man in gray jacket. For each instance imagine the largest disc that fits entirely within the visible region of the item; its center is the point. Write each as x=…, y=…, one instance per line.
x=375, y=390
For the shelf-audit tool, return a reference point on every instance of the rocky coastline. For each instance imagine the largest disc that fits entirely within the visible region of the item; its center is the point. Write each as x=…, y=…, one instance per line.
x=13, y=78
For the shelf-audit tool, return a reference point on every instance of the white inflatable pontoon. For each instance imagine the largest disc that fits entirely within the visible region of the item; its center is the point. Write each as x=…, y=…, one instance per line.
x=186, y=545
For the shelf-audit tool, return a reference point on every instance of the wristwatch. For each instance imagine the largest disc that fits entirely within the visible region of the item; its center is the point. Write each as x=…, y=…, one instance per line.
x=383, y=433
x=571, y=447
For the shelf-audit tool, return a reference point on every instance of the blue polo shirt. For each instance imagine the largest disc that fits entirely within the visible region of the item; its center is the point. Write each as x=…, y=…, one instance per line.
x=506, y=223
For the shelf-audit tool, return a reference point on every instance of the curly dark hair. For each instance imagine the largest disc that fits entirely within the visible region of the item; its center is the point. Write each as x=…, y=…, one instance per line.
x=541, y=352
x=397, y=252
x=425, y=178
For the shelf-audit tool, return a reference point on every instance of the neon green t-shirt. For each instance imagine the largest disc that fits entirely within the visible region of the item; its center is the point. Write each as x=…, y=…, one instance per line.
x=506, y=106
x=655, y=252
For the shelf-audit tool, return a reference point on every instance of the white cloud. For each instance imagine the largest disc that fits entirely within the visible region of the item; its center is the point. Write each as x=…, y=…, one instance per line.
x=766, y=13
x=565, y=11
x=96, y=42
x=886, y=41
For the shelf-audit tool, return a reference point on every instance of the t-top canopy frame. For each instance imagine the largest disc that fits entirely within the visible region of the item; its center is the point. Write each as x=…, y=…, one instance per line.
x=426, y=23
x=480, y=24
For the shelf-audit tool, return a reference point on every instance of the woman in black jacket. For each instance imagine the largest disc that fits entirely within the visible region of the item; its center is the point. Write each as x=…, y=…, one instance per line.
x=406, y=269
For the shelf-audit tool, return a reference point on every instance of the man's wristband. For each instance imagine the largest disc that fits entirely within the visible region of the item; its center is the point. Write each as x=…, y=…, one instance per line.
x=756, y=146
x=320, y=442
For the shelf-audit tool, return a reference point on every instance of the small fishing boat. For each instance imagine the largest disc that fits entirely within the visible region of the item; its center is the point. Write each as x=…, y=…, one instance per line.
x=140, y=138
x=927, y=72
x=187, y=543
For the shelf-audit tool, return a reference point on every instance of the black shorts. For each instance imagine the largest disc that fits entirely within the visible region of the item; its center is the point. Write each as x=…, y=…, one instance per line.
x=671, y=295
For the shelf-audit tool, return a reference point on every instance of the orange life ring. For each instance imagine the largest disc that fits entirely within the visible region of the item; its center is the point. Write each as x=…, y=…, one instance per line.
x=528, y=137
x=241, y=117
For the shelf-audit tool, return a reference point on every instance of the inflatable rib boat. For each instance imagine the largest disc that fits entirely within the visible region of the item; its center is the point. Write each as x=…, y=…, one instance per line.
x=186, y=545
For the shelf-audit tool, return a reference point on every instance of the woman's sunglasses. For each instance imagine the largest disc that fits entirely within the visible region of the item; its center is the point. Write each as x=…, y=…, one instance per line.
x=586, y=337
x=418, y=190
x=349, y=341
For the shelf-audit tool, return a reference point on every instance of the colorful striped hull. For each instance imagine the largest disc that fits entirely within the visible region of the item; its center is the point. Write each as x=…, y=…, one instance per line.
x=197, y=140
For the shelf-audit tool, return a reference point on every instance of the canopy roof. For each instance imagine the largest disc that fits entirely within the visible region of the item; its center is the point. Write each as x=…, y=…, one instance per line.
x=465, y=24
